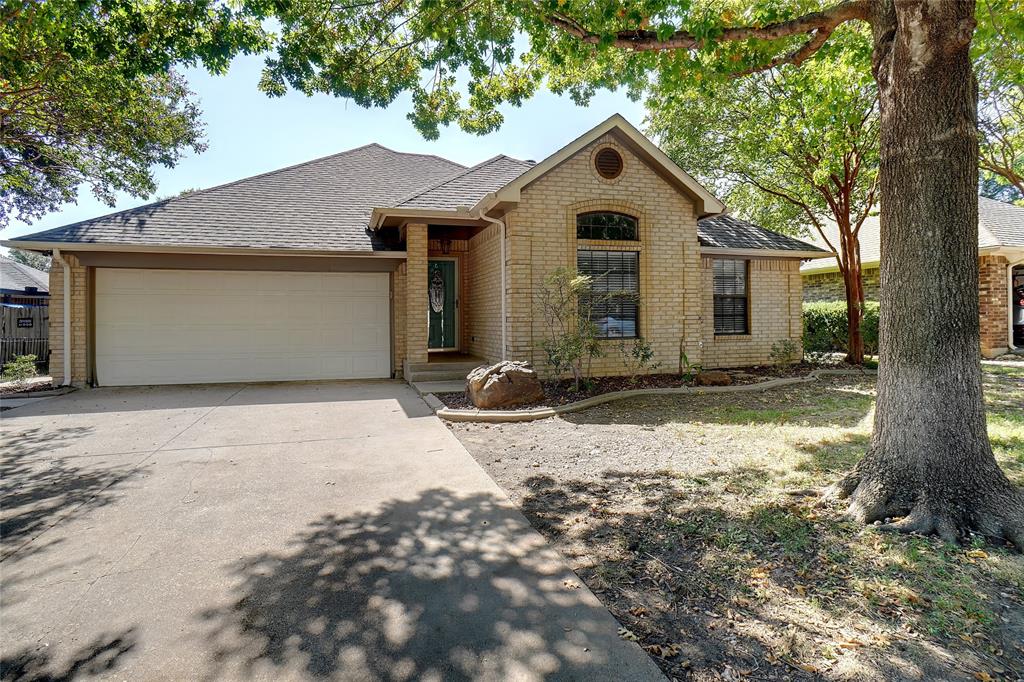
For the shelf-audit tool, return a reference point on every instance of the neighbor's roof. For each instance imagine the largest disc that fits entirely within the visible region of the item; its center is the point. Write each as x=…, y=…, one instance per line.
x=321, y=205
x=727, y=232
x=999, y=224
x=15, y=276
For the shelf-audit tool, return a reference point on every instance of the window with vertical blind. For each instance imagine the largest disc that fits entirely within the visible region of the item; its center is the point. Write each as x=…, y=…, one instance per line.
x=615, y=281
x=731, y=293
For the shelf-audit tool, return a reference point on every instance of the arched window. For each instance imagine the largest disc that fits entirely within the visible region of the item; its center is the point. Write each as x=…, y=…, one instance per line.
x=606, y=225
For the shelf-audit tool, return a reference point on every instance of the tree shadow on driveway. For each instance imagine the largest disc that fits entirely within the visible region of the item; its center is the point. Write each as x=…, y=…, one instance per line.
x=38, y=487
x=441, y=586
x=98, y=658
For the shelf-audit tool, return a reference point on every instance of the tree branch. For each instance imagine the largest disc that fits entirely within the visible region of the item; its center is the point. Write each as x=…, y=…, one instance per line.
x=820, y=24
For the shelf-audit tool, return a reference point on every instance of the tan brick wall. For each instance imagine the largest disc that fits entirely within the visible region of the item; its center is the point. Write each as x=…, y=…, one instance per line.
x=542, y=237
x=482, y=300
x=79, y=321
x=829, y=286
x=775, y=301
x=416, y=293
x=398, y=319
x=994, y=298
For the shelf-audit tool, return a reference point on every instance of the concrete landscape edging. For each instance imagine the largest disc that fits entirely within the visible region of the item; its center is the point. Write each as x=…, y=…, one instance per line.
x=504, y=416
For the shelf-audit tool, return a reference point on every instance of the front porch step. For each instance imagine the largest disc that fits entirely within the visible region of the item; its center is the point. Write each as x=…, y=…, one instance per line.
x=443, y=370
x=425, y=387
x=440, y=374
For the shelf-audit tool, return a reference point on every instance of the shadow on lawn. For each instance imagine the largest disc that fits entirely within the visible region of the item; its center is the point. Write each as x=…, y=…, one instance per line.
x=761, y=584
x=436, y=587
x=841, y=402
x=100, y=658
x=39, y=487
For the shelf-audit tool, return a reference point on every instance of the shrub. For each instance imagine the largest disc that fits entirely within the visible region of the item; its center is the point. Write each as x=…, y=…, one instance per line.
x=20, y=369
x=637, y=356
x=825, y=327
x=570, y=341
x=784, y=352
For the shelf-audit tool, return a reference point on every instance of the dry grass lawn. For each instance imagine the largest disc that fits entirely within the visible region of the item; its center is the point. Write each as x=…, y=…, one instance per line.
x=676, y=512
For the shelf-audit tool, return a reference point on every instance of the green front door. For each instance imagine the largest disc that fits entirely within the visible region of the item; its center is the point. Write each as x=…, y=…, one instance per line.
x=441, y=302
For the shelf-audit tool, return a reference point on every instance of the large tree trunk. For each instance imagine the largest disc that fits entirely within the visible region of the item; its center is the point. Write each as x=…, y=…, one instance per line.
x=930, y=464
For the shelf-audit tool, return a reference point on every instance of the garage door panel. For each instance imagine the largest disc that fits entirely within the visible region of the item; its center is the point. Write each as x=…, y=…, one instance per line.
x=175, y=326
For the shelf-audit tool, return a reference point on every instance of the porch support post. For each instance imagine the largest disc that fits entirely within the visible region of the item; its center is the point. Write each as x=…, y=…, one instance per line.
x=416, y=327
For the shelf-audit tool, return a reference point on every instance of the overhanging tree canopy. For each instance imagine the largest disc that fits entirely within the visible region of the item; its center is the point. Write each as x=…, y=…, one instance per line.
x=88, y=94
x=930, y=464
x=791, y=148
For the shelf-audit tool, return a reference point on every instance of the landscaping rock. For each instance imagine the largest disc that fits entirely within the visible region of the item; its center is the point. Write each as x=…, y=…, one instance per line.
x=505, y=384
x=713, y=378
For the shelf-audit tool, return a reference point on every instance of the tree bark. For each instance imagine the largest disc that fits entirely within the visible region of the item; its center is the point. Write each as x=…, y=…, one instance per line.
x=854, y=287
x=930, y=465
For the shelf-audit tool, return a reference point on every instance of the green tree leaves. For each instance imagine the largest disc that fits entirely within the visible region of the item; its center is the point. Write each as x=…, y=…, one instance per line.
x=89, y=95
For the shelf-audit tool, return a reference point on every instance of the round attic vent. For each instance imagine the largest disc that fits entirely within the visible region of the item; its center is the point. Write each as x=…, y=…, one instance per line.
x=608, y=163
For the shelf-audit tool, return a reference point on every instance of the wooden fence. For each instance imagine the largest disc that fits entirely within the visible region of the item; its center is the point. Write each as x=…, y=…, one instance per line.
x=25, y=330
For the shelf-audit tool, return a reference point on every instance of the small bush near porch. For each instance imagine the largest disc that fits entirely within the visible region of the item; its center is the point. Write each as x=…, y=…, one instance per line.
x=677, y=512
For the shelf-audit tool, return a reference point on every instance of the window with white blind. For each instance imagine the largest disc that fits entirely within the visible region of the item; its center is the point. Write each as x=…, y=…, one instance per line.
x=731, y=293
x=615, y=281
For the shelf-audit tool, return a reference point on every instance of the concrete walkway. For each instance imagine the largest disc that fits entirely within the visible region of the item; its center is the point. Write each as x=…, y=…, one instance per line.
x=285, y=531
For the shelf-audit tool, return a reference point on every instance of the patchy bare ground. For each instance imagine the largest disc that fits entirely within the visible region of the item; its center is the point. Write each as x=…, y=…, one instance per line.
x=675, y=511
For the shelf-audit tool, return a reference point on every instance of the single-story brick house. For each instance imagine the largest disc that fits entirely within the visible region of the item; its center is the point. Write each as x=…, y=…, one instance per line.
x=1000, y=269
x=376, y=263
x=23, y=284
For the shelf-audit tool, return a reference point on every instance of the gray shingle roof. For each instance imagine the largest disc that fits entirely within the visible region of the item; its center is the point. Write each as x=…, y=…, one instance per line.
x=323, y=204
x=727, y=232
x=470, y=186
x=15, y=276
x=999, y=224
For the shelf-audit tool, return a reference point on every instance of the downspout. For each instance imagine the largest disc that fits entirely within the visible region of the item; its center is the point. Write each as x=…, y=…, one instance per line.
x=66, y=309
x=501, y=255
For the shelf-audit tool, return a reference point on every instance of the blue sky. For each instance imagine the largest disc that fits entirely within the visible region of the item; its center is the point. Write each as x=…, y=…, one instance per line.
x=248, y=133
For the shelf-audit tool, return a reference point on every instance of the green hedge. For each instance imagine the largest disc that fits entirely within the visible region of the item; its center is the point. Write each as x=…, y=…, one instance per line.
x=825, y=327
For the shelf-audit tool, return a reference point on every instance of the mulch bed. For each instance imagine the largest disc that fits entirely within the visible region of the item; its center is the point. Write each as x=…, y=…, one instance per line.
x=563, y=392
x=10, y=388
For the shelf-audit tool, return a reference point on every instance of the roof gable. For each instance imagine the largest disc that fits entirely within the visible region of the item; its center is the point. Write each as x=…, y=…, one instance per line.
x=704, y=202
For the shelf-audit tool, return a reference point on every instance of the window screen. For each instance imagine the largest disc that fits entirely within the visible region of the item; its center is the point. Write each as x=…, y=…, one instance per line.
x=731, y=297
x=616, y=285
x=604, y=225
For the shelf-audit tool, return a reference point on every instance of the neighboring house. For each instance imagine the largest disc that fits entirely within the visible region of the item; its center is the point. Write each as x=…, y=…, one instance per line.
x=375, y=263
x=24, y=315
x=20, y=283
x=1000, y=265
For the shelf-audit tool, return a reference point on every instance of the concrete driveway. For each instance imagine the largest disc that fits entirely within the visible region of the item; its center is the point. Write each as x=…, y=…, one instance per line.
x=276, y=531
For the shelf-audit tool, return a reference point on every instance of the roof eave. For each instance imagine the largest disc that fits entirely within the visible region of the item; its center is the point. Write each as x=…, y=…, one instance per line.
x=71, y=247
x=386, y=217
x=764, y=253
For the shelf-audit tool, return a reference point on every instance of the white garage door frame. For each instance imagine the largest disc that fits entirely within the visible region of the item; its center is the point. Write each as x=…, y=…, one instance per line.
x=168, y=326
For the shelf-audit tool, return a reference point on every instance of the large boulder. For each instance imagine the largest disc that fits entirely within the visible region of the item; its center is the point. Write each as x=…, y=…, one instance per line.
x=504, y=384
x=712, y=378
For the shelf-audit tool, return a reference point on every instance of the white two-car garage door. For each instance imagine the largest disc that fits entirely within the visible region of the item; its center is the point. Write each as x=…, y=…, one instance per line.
x=205, y=326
